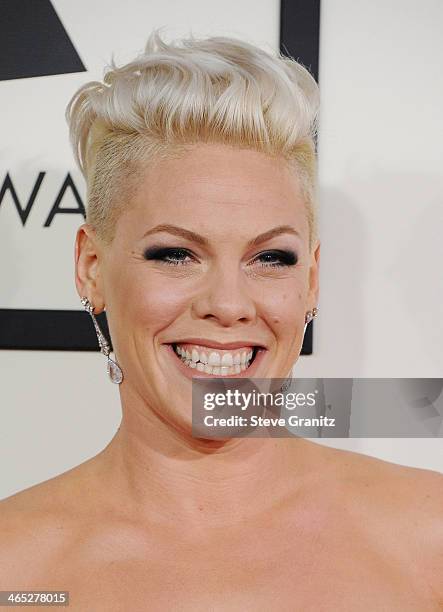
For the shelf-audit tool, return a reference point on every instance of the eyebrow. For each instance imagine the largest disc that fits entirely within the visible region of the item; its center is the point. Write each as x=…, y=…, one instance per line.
x=175, y=230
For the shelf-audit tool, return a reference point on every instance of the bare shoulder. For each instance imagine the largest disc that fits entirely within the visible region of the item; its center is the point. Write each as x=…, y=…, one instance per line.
x=40, y=523
x=402, y=505
x=416, y=491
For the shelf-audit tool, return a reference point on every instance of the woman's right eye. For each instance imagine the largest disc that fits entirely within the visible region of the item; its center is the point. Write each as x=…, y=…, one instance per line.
x=170, y=256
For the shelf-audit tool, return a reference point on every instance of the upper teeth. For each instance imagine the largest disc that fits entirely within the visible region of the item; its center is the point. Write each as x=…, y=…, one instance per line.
x=212, y=361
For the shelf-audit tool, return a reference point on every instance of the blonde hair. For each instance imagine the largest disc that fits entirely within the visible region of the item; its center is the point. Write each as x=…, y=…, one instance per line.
x=218, y=90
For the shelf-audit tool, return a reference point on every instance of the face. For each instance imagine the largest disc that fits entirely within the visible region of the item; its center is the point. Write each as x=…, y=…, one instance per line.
x=209, y=274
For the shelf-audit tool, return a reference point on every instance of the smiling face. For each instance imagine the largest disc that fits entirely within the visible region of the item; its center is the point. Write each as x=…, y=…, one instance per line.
x=209, y=268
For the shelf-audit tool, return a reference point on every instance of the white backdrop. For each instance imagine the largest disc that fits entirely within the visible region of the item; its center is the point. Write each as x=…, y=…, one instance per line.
x=381, y=199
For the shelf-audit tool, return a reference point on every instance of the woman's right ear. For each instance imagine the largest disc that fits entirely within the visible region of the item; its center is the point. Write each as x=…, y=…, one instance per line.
x=87, y=257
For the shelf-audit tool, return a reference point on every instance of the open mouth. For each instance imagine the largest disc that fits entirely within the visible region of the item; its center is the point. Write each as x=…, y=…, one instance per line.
x=216, y=362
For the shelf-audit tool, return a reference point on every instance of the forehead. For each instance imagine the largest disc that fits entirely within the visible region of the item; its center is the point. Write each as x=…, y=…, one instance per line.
x=218, y=188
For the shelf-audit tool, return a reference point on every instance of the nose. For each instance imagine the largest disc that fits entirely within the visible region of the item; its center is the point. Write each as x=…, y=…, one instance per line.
x=225, y=298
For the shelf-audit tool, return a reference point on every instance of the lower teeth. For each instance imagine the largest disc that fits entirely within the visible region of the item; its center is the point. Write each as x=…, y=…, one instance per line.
x=217, y=370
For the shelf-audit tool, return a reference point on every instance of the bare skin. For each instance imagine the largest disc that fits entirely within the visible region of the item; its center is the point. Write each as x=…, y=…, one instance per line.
x=161, y=520
x=346, y=532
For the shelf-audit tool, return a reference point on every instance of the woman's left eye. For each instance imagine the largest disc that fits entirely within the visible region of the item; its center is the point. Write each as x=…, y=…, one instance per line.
x=276, y=259
x=169, y=256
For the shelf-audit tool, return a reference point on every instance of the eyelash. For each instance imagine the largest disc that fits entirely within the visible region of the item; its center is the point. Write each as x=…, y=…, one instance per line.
x=287, y=258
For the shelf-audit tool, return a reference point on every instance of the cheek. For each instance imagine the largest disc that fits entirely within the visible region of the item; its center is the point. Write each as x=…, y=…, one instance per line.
x=283, y=309
x=151, y=300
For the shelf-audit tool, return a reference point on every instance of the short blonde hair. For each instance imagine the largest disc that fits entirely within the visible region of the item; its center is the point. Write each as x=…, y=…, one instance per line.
x=218, y=90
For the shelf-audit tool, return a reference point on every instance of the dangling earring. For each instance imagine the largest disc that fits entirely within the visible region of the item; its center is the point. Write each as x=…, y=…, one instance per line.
x=113, y=369
x=310, y=315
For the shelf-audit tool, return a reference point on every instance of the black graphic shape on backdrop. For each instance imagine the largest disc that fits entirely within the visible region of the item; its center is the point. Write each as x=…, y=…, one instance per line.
x=73, y=330
x=33, y=41
x=56, y=209
x=25, y=209
x=52, y=330
x=300, y=32
x=300, y=39
x=8, y=186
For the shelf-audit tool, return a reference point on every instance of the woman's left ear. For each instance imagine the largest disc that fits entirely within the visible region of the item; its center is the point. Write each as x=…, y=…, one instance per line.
x=314, y=273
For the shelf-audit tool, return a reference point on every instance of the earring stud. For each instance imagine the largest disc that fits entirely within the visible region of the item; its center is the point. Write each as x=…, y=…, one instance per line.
x=310, y=315
x=113, y=369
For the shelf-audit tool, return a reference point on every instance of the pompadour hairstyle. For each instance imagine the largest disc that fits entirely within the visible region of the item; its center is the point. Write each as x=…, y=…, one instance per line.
x=217, y=90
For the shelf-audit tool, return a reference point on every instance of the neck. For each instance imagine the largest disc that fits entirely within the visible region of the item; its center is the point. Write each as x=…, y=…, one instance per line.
x=162, y=474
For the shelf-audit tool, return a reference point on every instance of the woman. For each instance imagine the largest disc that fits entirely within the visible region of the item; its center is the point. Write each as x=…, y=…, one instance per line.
x=201, y=244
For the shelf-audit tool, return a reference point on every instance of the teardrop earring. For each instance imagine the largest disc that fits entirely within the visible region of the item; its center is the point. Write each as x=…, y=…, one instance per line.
x=113, y=369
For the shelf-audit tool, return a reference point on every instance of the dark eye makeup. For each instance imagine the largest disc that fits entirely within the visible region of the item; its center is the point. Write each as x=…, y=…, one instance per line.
x=169, y=255
x=277, y=258
x=176, y=256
